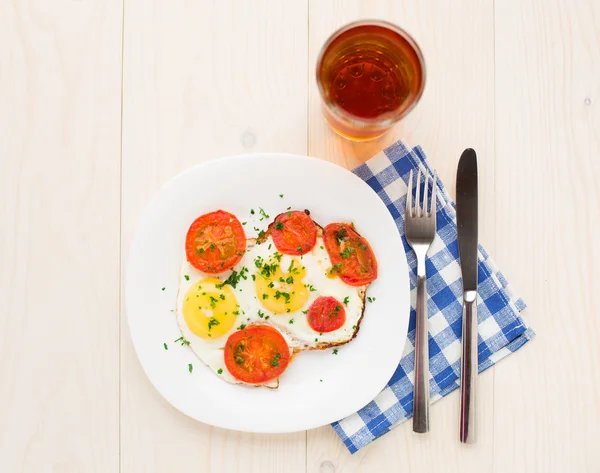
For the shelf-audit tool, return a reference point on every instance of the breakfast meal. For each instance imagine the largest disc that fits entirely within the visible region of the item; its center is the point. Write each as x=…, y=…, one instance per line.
x=247, y=306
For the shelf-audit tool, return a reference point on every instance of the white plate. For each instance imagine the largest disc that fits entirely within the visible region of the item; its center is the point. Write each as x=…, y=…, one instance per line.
x=350, y=379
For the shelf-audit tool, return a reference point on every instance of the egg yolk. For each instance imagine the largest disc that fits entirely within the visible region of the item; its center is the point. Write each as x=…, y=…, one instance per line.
x=281, y=290
x=209, y=309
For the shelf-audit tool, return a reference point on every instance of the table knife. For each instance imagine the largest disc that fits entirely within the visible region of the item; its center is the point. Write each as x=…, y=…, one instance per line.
x=466, y=216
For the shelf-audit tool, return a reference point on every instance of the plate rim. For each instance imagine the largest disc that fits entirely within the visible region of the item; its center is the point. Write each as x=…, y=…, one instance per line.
x=299, y=426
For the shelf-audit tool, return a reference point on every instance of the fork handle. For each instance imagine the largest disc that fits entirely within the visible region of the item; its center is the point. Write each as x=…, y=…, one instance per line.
x=421, y=395
x=468, y=372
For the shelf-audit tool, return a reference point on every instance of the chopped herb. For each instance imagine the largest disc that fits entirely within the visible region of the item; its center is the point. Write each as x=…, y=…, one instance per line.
x=288, y=209
x=251, y=211
x=222, y=297
x=277, y=256
x=254, y=277
x=269, y=247
x=258, y=261
x=165, y=345
x=299, y=247
x=163, y=288
x=212, y=322
x=260, y=234
x=271, y=285
x=241, y=327
x=281, y=195
x=275, y=360
x=346, y=300
x=265, y=296
x=335, y=352
x=285, y=295
x=310, y=287
x=291, y=321
x=220, y=371
x=279, y=226
x=316, y=339
x=354, y=327
x=187, y=278
x=288, y=310
x=321, y=380
x=182, y=340
x=266, y=317
x=190, y=367
x=346, y=253
x=244, y=223
x=261, y=314
x=364, y=247
x=336, y=268
x=212, y=246
x=199, y=251
x=321, y=247
x=290, y=280
x=236, y=312
x=340, y=235
x=371, y=299
x=305, y=311
x=234, y=278
x=213, y=302
x=263, y=213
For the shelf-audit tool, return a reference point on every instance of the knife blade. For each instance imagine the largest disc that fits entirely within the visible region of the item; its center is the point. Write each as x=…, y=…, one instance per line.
x=467, y=225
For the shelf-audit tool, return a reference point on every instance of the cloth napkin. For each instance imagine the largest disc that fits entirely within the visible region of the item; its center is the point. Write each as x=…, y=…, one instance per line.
x=502, y=329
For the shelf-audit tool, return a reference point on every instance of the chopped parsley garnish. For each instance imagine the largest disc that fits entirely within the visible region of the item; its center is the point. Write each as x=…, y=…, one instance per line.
x=182, y=340
x=261, y=314
x=321, y=380
x=310, y=287
x=371, y=299
x=336, y=268
x=234, y=278
x=271, y=285
x=212, y=322
x=258, y=261
x=316, y=339
x=293, y=270
x=340, y=235
x=222, y=297
x=165, y=345
x=241, y=327
x=335, y=352
x=212, y=246
x=269, y=247
x=281, y=195
x=299, y=247
x=254, y=277
x=305, y=311
x=346, y=253
x=260, y=234
x=213, y=301
x=220, y=371
x=285, y=295
x=244, y=223
x=251, y=211
x=266, y=317
x=268, y=269
x=163, y=288
x=275, y=360
x=291, y=321
x=199, y=251
x=187, y=278
x=277, y=256
x=279, y=226
x=288, y=209
x=346, y=300
x=290, y=280
x=354, y=327
x=190, y=367
x=321, y=247
x=265, y=296
x=364, y=247
x=263, y=213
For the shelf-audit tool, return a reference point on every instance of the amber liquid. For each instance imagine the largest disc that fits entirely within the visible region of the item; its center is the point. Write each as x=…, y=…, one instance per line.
x=370, y=75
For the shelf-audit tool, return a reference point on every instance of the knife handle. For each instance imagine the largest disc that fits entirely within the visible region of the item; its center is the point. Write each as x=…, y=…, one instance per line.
x=468, y=373
x=421, y=394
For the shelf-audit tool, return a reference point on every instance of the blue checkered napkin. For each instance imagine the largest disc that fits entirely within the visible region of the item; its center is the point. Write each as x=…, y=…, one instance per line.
x=502, y=330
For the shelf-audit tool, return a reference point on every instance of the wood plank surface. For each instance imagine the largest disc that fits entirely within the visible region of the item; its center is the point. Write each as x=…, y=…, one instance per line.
x=203, y=80
x=547, y=398
x=60, y=108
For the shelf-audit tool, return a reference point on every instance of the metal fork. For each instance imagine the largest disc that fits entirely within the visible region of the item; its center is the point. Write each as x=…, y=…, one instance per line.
x=419, y=228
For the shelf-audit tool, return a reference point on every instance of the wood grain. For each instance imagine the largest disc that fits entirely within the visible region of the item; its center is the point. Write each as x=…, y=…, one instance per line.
x=203, y=80
x=60, y=87
x=456, y=112
x=547, y=416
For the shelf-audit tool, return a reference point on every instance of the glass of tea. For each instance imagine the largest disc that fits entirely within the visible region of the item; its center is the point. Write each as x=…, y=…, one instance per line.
x=370, y=74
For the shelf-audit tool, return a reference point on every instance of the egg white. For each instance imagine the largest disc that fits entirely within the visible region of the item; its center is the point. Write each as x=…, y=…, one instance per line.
x=293, y=325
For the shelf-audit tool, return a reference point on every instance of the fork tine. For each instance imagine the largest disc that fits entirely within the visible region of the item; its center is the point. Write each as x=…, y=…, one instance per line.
x=433, y=194
x=425, y=195
x=418, y=196
x=409, y=195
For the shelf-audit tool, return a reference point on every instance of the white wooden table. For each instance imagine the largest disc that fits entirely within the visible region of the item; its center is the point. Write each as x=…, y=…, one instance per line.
x=101, y=101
